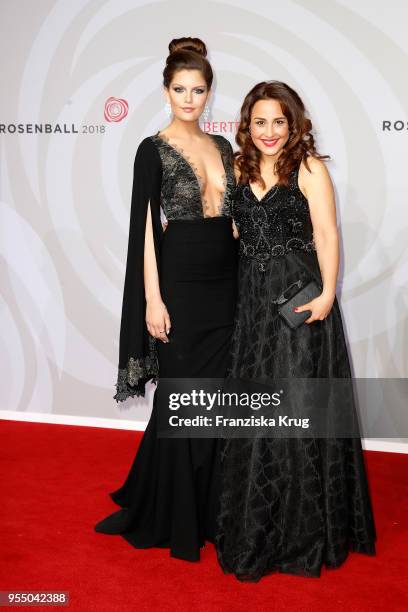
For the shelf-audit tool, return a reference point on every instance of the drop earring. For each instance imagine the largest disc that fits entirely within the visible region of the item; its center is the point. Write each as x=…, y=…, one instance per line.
x=167, y=109
x=206, y=113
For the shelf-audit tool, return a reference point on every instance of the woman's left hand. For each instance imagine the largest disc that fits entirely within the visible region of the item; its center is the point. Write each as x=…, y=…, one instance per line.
x=320, y=307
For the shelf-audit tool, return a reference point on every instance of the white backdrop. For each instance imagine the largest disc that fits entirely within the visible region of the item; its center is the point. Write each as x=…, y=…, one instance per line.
x=90, y=70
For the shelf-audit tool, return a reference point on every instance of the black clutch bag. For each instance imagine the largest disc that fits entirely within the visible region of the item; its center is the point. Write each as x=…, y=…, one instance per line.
x=304, y=294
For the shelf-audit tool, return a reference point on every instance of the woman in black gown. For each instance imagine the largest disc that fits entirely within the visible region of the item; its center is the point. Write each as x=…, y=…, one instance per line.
x=178, y=309
x=287, y=505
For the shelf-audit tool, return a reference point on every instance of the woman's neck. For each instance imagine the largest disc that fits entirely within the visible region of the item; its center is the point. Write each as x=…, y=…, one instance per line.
x=184, y=129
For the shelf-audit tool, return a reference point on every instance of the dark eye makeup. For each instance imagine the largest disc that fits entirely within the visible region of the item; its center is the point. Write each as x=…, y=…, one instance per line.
x=179, y=89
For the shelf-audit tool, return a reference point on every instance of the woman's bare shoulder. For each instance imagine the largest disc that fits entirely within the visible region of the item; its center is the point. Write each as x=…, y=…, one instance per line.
x=315, y=172
x=315, y=166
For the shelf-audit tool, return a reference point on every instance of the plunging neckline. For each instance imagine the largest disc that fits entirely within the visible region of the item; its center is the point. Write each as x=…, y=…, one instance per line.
x=194, y=170
x=275, y=186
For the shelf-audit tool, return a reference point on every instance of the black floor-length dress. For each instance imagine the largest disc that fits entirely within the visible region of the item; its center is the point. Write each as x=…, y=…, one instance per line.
x=170, y=496
x=287, y=504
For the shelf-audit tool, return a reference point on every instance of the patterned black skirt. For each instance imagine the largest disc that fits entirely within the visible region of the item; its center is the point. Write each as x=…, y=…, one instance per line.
x=287, y=504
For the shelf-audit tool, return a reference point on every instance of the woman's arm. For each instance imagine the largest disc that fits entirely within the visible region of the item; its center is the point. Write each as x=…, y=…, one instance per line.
x=157, y=316
x=318, y=188
x=237, y=173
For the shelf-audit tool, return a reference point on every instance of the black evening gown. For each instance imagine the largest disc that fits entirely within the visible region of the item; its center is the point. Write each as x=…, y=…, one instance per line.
x=170, y=496
x=287, y=504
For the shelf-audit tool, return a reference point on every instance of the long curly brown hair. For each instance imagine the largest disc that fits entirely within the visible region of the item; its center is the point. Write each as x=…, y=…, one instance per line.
x=299, y=146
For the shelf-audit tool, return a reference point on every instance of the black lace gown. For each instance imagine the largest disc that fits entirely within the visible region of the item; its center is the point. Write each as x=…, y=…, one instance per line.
x=287, y=504
x=170, y=496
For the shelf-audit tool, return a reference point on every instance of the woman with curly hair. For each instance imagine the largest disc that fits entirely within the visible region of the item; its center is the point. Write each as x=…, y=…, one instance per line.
x=288, y=504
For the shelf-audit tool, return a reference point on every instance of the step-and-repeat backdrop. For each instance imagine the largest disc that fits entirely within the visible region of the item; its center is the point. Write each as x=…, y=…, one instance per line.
x=82, y=85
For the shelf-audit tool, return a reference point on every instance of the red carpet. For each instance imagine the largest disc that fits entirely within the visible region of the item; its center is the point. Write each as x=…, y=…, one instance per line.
x=55, y=481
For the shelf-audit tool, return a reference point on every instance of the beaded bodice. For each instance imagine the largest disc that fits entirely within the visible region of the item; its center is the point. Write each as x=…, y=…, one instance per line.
x=275, y=225
x=182, y=187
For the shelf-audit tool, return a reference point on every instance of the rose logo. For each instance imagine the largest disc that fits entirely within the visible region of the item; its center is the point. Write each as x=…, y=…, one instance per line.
x=116, y=109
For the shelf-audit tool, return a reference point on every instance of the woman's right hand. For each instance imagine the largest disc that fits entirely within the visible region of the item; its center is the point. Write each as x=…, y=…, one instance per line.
x=157, y=319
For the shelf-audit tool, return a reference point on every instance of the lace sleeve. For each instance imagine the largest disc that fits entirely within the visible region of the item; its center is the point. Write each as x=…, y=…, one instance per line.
x=129, y=382
x=137, y=349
